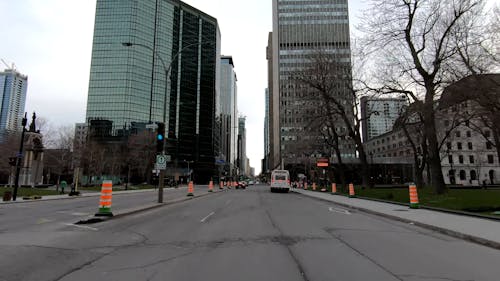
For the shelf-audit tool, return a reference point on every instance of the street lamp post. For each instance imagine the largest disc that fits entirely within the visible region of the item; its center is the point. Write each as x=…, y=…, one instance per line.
x=19, y=157
x=189, y=171
x=167, y=73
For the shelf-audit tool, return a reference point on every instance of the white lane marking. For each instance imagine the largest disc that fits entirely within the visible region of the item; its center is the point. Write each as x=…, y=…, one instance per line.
x=338, y=210
x=81, y=226
x=205, y=218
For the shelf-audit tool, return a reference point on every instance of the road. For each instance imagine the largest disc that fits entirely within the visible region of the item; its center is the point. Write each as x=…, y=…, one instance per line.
x=243, y=235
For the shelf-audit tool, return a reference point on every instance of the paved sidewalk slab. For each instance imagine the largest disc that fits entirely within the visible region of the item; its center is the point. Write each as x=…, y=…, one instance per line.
x=479, y=230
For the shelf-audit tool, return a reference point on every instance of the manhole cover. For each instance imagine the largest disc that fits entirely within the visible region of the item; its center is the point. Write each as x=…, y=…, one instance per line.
x=400, y=210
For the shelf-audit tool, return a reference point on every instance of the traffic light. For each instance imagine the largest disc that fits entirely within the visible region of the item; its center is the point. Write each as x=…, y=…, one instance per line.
x=160, y=137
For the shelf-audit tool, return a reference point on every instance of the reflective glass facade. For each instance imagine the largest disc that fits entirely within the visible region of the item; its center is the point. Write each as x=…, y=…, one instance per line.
x=130, y=83
x=13, y=89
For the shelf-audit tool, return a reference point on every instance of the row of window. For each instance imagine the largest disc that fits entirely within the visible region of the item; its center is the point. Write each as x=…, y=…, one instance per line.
x=490, y=158
x=488, y=145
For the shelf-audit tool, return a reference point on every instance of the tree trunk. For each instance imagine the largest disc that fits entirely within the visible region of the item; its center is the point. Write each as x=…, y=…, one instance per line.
x=434, y=159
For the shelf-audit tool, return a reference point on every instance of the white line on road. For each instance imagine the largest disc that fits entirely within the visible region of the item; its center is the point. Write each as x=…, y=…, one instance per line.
x=81, y=226
x=205, y=218
x=338, y=210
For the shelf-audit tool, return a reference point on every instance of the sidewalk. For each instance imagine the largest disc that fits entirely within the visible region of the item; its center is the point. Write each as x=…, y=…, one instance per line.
x=478, y=230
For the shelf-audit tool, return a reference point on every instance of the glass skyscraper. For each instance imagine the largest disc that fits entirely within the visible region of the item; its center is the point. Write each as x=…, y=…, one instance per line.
x=228, y=114
x=129, y=82
x=301, y=30
x=13, y=89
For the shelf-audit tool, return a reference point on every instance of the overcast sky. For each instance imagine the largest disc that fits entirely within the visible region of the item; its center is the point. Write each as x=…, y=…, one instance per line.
x=51, y=42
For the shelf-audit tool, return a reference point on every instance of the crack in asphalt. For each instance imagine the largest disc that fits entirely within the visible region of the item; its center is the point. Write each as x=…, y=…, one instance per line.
x=285, y=242
x=433, y=277
x=153, y=263
x=339, y=238
x=333, y=229
x=90, y=262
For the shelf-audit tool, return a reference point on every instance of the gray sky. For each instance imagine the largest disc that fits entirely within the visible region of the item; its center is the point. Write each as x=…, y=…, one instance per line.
x=51, y=42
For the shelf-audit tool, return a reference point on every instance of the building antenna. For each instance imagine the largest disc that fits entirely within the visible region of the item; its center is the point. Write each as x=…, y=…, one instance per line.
x=12, y=66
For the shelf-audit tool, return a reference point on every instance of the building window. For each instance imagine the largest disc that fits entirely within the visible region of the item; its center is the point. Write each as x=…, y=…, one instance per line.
x=448, y=145
x=469, y=145
x=488, y=145
x=446, y=123
x=457, y=134
x=450, y=159
x=487, y=134
x=473, y=175
x=459, y=145
x=471, y=159
x=461, y=159
x=490, y=159
x=462, y=175
x=469, y=134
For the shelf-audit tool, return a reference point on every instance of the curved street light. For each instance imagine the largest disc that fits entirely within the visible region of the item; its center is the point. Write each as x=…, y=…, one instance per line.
x=167, y=72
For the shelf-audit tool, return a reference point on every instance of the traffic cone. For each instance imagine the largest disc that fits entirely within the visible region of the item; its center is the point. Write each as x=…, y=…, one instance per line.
x=351, y=190
x=221, y=185
x=105, y=200
x=211, y=186
x=334, y=188
x=314, y=186
x=305, y=185
x=413, y=196
x=190, y=189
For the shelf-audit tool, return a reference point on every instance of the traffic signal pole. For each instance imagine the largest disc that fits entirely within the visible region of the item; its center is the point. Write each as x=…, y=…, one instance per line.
x=160, y=149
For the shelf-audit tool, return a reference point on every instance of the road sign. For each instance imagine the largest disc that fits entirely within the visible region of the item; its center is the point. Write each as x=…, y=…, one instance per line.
x=161, y=162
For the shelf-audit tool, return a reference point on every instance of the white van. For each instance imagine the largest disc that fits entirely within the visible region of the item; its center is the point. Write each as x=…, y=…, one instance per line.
x=280, y=180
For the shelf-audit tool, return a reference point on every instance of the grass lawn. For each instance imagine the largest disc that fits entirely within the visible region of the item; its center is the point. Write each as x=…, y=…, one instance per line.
x=26, y=191
x=469, y=200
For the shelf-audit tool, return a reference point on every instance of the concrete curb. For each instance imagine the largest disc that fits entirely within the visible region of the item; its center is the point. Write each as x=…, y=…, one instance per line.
x=467, y=237
x=144, y=208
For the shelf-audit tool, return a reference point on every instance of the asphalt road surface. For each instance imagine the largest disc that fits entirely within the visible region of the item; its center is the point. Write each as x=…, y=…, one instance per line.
x=247, y=234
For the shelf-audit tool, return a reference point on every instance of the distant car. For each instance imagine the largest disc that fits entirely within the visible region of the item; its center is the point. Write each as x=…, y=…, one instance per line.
x=242, y=185
x=251, y=183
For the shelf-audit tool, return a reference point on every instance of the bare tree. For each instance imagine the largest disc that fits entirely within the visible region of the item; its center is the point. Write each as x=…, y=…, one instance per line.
x=421, y=47
x=331, y=82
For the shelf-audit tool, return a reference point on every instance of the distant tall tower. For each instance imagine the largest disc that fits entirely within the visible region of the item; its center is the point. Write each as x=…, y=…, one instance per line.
x=242, y=147
x=13, y=88
x=228, y=114
x=302, y=29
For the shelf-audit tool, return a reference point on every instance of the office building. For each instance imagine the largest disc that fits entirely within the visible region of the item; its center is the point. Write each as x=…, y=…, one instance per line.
x=379, y=114
x=265, y=161
x=13, y=89
x=242, y=147
x=158, y=62
x=301, y=31
x=228, y=115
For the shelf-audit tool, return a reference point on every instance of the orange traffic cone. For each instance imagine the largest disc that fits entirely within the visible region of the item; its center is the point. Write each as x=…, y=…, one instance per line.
x=211, y=186
x=105, y=200
x=351, y=190
x=413, y=196
x=305, y=185
x=314, y=186
x=334, y=188
x=190, y=189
